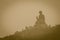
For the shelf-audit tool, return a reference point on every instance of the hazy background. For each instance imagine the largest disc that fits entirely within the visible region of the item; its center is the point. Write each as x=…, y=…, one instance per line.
x=16, y=14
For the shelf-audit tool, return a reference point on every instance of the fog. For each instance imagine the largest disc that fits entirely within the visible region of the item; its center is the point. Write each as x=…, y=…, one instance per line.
x=18, y=14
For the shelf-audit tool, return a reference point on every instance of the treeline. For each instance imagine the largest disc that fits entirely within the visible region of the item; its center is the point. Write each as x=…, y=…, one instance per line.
x=54, y=35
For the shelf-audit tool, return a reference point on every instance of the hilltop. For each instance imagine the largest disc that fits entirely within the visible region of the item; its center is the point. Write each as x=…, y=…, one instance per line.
x=40, y=31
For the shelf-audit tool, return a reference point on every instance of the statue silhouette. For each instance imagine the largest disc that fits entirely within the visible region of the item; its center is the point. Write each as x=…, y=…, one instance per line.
x=40, y=19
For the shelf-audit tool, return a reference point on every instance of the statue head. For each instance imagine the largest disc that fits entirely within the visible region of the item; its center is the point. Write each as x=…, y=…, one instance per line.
x=40, y=12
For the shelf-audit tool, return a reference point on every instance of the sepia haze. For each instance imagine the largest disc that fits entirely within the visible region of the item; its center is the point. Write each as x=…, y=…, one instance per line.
x=16, y=15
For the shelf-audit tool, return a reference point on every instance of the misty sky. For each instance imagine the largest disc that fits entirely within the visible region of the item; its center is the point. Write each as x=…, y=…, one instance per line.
x=15, y=15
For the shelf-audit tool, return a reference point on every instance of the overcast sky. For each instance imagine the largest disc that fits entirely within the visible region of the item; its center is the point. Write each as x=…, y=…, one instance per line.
x=15, y=15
